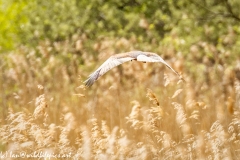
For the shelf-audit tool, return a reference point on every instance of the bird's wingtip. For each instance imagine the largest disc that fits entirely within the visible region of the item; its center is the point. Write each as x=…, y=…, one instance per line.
x=92, y=78
x=89, y=82
x=181, y=78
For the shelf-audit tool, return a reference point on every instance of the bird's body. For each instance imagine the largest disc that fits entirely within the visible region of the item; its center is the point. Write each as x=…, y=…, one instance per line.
x=118, y=59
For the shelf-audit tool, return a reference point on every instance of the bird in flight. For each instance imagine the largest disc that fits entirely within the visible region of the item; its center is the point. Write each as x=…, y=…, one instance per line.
x=118, y=59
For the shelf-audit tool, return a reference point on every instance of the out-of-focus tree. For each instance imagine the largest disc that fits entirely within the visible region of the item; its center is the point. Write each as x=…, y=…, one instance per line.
x=10, y=22
x=29, y=22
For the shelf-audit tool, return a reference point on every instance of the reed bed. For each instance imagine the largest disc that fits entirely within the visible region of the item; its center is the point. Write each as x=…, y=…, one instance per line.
x=136, y=111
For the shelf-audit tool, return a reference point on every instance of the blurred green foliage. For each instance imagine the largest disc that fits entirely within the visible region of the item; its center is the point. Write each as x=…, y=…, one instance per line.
x=10, y=22
x=29, y=22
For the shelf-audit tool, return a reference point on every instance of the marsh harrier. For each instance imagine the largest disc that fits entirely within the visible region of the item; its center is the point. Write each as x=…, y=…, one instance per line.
x=118, y=59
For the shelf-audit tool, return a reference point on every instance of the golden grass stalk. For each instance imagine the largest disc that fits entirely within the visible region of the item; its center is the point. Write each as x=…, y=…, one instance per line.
x=134, y=116
x=181, y=119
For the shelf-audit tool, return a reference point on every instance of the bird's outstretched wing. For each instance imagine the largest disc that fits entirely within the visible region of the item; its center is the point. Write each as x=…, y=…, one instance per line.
x=118, y=59
x=152, y=57
x=110, y=63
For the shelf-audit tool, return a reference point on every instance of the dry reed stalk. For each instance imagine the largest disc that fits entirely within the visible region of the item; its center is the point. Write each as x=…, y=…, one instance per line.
x=176, y=93
x=38, y=135
x=69, y=121
x=167, y=80
x=230, y=105
x=85, y=152
x=155, y=115
x=96, y=138
x=112, y=144
x=181, y=119
x=41, y=105
x=64, y=144
x=166, y=140
x=15, y=131
x=217, y=138
x=134, y=116
x=105, y=130
x=200, y=146
x=152, y=97
x=237, y=91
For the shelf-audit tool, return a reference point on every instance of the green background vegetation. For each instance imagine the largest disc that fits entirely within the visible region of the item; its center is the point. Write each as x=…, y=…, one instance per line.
x=29, y=22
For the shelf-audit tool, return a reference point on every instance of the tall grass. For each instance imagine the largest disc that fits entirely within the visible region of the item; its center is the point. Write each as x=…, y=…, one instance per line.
x=136, y=111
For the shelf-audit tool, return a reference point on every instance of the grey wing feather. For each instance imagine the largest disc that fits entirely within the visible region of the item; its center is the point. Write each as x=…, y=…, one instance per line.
x=106, y=66
x=154, y=58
